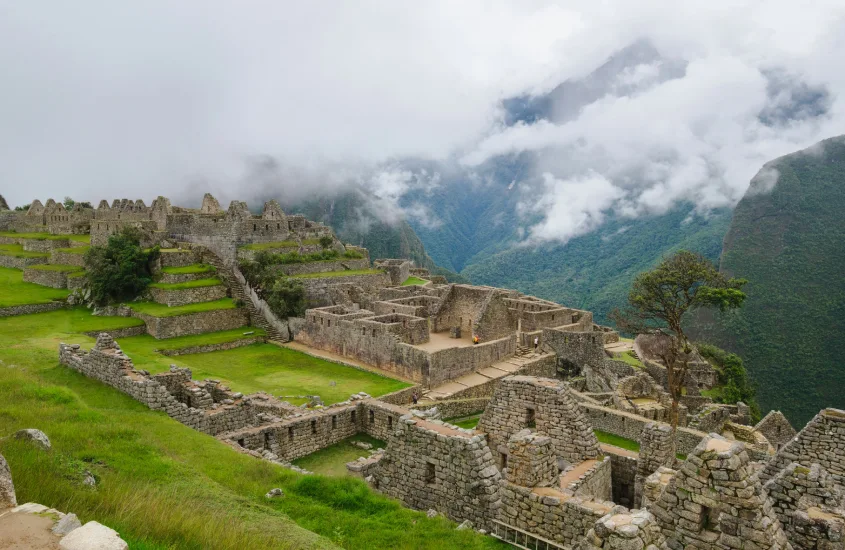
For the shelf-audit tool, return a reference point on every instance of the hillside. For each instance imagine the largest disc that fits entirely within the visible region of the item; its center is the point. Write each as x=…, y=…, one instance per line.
x=788, y=244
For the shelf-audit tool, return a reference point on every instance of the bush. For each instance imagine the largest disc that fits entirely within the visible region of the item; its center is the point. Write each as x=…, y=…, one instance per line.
x=733, y=377
x=120, y=270
x=326, y=242
x=285, y=296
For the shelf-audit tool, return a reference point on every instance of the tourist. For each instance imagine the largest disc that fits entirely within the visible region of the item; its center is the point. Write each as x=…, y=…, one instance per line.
x=536, y=343
x=475, y=339
x=415, y=397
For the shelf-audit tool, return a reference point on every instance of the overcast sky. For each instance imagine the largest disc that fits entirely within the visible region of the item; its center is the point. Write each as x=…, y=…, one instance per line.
x=109, y=99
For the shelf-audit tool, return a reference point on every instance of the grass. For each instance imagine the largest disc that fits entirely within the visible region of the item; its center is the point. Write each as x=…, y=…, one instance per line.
x=267, y=367
x=628, y=357
x=46, y=236
x=17, y=251
x=617, y=441
x=161, y=310
x=163, y=485
x=74, y=249
x=197, y=283
x=468, y=422
x=346, y=273
x=332, y=460
x=189, y=269
x=414, y=281
x=143, y=348
x=56, y=267
x=15, y=292
x=267, y=246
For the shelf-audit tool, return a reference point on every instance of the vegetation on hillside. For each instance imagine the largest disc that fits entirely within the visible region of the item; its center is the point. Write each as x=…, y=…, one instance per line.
x=284, y=295
x=786, y=237
x=120, y=270
x=734, y=383
x=660, y=301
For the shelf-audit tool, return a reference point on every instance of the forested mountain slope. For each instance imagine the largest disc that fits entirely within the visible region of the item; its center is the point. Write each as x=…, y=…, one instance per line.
x=788, y=242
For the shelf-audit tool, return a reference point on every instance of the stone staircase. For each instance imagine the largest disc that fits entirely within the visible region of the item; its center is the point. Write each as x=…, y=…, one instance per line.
x=240, y=295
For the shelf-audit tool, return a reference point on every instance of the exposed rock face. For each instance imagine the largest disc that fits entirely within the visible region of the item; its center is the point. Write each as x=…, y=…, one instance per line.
x=93, y=536
x=717, y=501
x=37, y=437
x=7, y=488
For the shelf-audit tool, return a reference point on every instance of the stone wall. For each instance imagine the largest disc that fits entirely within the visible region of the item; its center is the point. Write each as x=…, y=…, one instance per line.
x=527, y=402
x=462, y=307
x=448, y=364
x=575, y=348
x=716, y=501
x=20, y=263
x=318, y=291
x=28, y=309
x=595, y=483
x=67, y=258
x=624, y=530
x=429, y=465
x=44, y=277
x=324, y=266
x=623, y=472
x=630, y=426
x=657, y=448
x=184, y=296
x=194, y=323
x=457, y=408
x=776, y=428
x=207, y=348
x=398, y=270
x=821, y=441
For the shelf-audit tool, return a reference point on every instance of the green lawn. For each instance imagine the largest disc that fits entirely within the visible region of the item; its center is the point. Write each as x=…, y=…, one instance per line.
x=346, y=273
x=628, y=357
x=267, y=246
x=14, y=291
x=469, y=422
x=187, y=284
x=56, y=267
x=17, y=251
x=161, y=310
x=142, y=349
x=616, y=441
x=189, y=269
x=46, y=236
x=278, y=370
x=414, y=281
x=163, y=485
x=332, y=460
x=74, y=249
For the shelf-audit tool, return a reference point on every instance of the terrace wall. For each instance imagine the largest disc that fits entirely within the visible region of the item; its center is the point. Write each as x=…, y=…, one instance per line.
x=28, y=309
x=20, y=263
x=324, y=266
x=43, y=277
x=67, y=258
x=194, y=323
x=186, y=296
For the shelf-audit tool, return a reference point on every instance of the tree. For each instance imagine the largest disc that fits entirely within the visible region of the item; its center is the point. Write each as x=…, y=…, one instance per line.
x=326, y=241
x=121, y=269
x=23, y=207
x=659, y=301
x=70, y=203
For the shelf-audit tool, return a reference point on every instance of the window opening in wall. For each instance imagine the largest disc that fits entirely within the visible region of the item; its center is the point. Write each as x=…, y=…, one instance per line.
x=267, y=440
x=334, y=422
x=278, y=226
x=290, y=433
x=430, y=474
x=241, y=442
x=254, y=227
x=364, y=331
x=354, y=415
x=503, y=461
x=389, y=422
x=313, y=426
x=372, y=417
x=266, y=226
x=530, y=418
x=709, y=518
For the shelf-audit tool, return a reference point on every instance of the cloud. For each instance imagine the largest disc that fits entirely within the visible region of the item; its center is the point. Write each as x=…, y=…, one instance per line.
x=296, y=99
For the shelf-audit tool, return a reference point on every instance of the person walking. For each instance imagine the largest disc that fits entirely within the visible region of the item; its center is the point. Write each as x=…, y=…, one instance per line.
x=415, y=398
x=536, y=343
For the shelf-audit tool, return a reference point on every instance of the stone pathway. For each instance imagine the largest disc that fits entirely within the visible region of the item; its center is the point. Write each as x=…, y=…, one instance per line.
x=482, y=376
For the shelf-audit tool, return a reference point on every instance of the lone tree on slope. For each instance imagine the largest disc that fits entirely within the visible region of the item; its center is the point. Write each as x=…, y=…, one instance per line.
x=660, y=299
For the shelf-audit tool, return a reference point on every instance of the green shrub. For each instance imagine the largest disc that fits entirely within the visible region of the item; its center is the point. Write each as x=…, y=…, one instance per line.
x=121, y=269
x=285, y=296
x=326, y=242
x=733, y=378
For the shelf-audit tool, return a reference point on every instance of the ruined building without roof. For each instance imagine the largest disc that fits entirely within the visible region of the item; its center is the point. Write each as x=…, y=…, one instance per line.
x=539, y=470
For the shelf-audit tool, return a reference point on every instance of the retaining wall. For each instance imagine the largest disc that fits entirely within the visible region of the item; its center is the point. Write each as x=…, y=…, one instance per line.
x=194, y=323
x=43, y=277
x=27, y=309
x=186, y=296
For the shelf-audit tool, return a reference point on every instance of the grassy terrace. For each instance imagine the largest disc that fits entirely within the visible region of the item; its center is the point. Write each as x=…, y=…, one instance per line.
x=56, y=267
x=46, y=236
x=346, y=273
x=188, y=284
x=616, y=441
x=17, y=251
x=268, y=246
x=74, y=250
x=469, y=422
x=145, y=345
x=189, y=269
x=161, y=310
x=628, y=357
x=414, y=281
x=163, y=485
x=332, y=460
x=263, y=367
x=15, y=292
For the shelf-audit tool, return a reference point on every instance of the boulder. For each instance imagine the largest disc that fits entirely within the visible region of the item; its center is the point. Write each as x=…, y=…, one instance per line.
x=275, y=493
x=37, y=437
x=7, y=488
x=67, y=523
x=467, y=524
x=93, y=536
